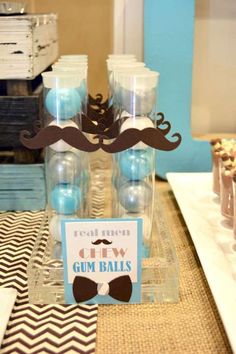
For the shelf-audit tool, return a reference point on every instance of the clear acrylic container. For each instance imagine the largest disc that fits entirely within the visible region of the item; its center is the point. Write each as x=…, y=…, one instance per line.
x=160, y=271
x=160, y=268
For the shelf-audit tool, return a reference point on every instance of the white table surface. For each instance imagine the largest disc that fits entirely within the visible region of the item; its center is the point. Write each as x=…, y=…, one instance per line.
x=213, y=240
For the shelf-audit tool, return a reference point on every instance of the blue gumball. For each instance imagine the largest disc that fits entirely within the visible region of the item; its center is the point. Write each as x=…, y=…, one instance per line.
x=135, y=165
x=63, y=103
x=66, y=199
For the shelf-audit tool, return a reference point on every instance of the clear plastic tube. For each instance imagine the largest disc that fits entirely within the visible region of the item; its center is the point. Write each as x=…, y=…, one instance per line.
x=66, y=167
x=134, y=169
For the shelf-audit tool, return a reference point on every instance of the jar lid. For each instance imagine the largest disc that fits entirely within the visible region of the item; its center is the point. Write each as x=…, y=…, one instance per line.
x=128, y=65
x=74, y=56
x=141, y=81
x=53, y=79
x=72, y=62
x=80, y=71
x=111, y=62
x=120, y=56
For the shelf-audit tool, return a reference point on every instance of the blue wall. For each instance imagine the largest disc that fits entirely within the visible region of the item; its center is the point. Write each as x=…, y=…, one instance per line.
x=168, y=48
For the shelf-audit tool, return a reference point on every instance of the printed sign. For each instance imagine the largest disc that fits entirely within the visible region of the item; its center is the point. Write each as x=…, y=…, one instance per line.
x=102, y=260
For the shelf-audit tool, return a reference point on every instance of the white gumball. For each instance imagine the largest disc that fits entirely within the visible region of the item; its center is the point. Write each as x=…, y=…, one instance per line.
x=55, y=225
x=64, y=167
x=139, y=123
x=147, y=224
x=61, y=145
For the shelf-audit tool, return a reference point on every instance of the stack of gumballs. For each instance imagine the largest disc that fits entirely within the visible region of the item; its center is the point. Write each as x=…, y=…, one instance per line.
x=67, y=169
x=224, y=177
x=133, y=97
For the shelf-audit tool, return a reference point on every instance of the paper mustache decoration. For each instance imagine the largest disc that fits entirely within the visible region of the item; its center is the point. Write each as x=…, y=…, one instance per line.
x=100, y=122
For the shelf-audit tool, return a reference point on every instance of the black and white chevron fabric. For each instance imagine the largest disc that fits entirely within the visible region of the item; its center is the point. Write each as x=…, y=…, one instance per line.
x=38, y=328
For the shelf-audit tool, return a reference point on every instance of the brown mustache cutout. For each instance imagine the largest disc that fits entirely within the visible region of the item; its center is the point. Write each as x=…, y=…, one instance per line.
x=101, y=127
x=100, y=121
x=95, y=115
x=97, y=101
x=150, y=136
x=105, y=126
x=153, y=137
x=103, y=120
x=37, y=125
x=162, y=121
x=113, y=131
x=51, y=134
x=99, y=241
x=96, y=109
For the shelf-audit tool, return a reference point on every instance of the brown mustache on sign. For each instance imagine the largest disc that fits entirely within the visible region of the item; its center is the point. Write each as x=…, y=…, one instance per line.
x=153, y=137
